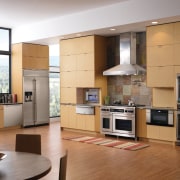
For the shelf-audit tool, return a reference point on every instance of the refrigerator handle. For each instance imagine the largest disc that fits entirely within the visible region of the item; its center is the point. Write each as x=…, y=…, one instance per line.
x=34, y=104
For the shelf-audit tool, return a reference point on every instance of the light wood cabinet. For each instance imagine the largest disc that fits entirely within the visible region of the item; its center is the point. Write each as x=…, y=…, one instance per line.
x=82, y=63
x=177, y=54
x=160, y=55
x=177, y=32
x=1, y=117
x=160, y=34
x=68, y=79
x=68, y=118
x=160, y=76
x=68, y=95
x=141, y=127
x=27, y=56
x=161, y=133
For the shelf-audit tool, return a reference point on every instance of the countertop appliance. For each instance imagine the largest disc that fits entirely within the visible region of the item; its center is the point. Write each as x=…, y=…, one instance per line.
x=160, y=117
x=36, y=97
x=118, y=120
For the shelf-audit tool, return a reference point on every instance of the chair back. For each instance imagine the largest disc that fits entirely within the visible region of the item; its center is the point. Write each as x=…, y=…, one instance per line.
x=28, y=143
x=63, y=166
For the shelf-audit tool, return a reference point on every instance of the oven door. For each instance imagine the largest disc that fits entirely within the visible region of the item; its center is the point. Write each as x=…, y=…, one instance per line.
x=124, y=124
x=106, y=122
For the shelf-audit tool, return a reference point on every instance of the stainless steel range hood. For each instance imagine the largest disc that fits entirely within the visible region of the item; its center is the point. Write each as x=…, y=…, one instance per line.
x=127, y=51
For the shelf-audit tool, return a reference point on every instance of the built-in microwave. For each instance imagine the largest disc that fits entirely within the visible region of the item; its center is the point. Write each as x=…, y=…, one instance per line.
x=160, y=117
x=92, y=95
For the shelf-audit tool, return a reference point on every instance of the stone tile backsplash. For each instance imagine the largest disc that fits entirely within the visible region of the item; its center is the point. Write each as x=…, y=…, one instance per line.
x=124, y=88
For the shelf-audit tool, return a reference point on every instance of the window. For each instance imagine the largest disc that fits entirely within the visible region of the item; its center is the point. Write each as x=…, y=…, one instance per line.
x=5, y=60
x=54, y=81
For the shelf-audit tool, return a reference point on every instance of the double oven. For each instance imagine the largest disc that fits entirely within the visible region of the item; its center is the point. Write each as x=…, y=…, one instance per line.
x=118, y=120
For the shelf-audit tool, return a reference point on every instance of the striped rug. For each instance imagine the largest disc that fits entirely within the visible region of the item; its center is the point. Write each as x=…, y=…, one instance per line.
x=133, y=146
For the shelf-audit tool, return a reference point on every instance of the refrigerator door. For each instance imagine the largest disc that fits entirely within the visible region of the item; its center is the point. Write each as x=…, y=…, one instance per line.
x=42, y=100
x=28, y=104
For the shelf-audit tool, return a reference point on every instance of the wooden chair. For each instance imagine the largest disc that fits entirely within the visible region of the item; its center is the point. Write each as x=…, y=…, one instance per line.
x=63, y=166
x=28, y=143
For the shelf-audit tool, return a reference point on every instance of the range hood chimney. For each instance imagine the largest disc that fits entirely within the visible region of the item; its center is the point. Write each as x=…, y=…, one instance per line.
x=127, y=64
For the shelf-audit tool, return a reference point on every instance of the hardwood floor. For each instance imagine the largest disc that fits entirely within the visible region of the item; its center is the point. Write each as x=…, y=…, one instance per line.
x=93, y=162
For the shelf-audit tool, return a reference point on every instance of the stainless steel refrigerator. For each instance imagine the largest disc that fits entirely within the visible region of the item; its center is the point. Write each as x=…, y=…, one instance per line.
x=36, y=97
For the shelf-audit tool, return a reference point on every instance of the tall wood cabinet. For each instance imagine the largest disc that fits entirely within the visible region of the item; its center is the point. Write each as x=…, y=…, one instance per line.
x=27, y=56
x=82, y=61
x=163, y=64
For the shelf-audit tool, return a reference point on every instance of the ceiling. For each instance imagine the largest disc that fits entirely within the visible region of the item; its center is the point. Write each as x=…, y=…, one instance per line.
x=17, y=13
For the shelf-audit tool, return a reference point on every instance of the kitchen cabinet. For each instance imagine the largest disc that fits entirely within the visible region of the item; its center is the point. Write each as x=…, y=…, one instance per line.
x=160, y=55
x=1, y=116
x=177, y=32
x=10, y=115
x=67, y=95
x=68, y=118
x=27, y=56
x=161, y=133
x=141, y=127
x=177, y=54
x=83, y=60
x=160, y=34
x=160, y=76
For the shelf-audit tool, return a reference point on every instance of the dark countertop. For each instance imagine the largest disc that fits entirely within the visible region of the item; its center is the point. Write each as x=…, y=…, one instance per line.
x=10, y=103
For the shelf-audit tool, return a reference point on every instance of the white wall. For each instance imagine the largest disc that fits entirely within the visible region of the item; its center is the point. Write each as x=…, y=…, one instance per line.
x=124, y=13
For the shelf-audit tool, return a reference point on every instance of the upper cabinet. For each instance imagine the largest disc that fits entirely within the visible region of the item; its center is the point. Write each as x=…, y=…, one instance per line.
x=160, y=34
x=163, y=54
x=27, y=56
x=83, y=59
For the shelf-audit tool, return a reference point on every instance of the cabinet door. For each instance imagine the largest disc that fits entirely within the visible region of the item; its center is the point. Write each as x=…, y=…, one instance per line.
x=141, y=127
x=90, y=123
x=80, y=121
x=1, y=117
x=29, y=50
x=177, y=32
x=85, y=79
x=35, y=63
x=160, y=34
x=86, y=44
x=68, y=95
x=177, y=54
x=68, y=47
x=68, y=79
x=160, y=76
x=68, y=116
x=68, y=63
x=152, y=132
x=42, y=51
x=167, y=133
x=85, y=62
x=160, y=55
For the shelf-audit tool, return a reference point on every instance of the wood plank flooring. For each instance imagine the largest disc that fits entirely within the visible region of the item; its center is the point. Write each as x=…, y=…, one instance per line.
x=93, y=162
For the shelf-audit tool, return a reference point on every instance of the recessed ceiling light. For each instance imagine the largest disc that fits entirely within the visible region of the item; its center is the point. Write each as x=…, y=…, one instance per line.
x=112, y=29
x=154, y=22
x=78, y=34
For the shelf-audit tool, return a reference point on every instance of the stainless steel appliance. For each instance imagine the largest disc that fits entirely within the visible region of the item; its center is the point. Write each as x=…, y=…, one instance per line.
x=36, y=97
x=160, y=117
x=118, y=120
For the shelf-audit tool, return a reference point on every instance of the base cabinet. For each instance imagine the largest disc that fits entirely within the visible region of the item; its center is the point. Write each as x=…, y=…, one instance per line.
x=10, y=115
x=141, y=126
x=161, y=133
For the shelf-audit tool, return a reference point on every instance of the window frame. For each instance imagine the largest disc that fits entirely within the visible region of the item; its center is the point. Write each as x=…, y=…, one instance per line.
x=8, y=53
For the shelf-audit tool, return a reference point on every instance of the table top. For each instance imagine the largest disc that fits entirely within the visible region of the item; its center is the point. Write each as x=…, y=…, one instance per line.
x=20, y=165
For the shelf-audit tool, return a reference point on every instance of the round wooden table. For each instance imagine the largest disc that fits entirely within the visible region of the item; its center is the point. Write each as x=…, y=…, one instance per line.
x=20, y=165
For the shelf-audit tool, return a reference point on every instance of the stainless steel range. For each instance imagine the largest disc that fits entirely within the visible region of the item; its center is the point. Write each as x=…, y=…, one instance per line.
x=118, y=120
